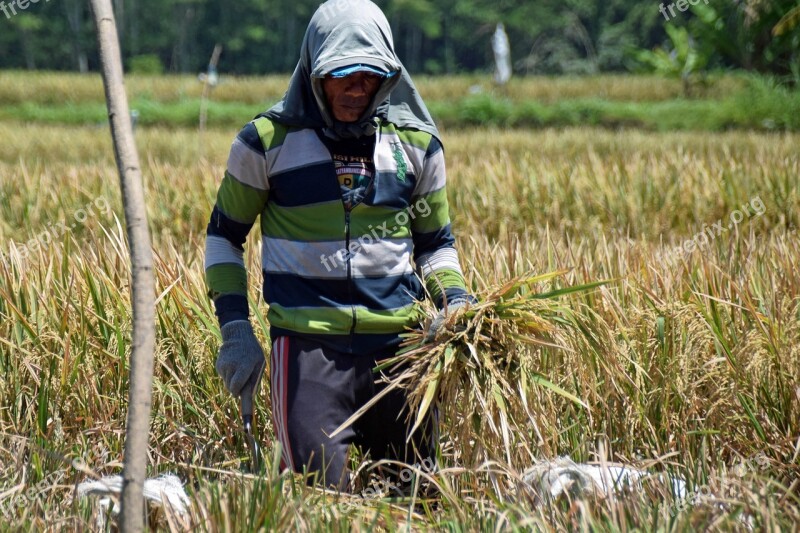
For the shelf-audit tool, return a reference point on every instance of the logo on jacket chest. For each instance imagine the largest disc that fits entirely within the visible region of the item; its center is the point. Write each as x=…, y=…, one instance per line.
x=353, y=172
x=402, y=167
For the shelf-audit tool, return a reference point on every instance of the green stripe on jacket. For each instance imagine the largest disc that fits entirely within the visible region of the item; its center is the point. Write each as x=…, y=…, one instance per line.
x=336, y=320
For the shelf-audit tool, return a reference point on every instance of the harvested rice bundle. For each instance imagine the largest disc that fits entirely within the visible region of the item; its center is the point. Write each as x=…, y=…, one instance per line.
x=480, y=368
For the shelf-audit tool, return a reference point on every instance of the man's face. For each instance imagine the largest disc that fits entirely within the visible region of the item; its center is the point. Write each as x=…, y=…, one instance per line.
x=349, y=97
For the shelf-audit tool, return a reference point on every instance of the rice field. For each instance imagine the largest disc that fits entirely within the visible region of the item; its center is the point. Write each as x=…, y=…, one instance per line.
x=717, y=102
x=56, y=88
x=687, y=361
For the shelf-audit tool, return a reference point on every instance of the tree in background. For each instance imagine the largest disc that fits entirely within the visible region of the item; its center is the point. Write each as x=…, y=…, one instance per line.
x=742, y=35
x=433, y=36
x=683, y=59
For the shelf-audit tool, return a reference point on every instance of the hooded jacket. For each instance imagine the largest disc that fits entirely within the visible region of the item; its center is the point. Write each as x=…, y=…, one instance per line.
x=343, y=275
x=343, y=33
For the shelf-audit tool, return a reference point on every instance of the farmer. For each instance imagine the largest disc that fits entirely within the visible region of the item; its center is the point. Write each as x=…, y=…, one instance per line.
x=347, y=174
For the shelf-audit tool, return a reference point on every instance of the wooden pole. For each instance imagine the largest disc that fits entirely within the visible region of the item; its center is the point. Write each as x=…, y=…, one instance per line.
x=143, y=283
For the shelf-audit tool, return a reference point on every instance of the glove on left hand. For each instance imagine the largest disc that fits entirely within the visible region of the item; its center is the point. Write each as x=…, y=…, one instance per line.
x=241, y=359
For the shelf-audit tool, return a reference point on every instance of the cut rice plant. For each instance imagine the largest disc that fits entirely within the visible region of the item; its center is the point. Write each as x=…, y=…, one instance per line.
x=478, y=371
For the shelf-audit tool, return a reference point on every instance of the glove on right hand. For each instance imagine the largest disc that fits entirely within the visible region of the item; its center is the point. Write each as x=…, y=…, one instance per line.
x=442, y=315
x=240, y=362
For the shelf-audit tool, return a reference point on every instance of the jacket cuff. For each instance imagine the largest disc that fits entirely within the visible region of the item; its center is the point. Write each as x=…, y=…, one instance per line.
x=454, y=295
x=231, y=307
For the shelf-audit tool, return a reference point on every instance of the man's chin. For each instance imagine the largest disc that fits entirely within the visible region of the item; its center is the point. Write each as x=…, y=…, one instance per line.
x=349, y=115
x=349, y=119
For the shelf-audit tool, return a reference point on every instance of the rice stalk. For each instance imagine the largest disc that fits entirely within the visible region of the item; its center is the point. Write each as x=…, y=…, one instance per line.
x=479, y=370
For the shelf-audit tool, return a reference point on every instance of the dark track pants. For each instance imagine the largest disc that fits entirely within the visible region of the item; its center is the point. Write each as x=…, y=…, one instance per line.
x=315, y=389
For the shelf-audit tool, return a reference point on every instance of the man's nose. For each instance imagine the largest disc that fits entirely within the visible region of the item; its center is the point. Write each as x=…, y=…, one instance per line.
x=355, y=88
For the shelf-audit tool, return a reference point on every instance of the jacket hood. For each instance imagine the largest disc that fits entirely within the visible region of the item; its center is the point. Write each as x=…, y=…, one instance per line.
x=343, y=33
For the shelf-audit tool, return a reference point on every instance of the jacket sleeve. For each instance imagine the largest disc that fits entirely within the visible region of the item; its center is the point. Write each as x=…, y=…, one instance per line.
x=434, y=245
x=240, y=199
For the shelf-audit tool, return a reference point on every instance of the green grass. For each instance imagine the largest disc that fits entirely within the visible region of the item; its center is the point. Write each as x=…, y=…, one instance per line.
x=758, y=107
x=686, y=364
x=185, y=113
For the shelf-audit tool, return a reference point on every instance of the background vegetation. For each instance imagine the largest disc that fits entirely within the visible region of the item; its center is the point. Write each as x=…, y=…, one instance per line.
x=434, y=37
x=724, y=102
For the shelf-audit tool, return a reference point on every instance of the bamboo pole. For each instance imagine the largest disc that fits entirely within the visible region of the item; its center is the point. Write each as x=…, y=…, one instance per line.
x=143, y=283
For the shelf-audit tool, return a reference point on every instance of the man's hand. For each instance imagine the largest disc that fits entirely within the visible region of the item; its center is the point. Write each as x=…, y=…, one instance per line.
x=443, y=314
x=240, y=362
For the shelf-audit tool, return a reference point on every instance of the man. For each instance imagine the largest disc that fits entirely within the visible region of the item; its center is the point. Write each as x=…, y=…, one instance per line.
x=347, y=174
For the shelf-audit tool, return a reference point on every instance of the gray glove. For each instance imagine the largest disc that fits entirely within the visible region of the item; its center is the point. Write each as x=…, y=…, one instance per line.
x=240, y=362
x=441, y=316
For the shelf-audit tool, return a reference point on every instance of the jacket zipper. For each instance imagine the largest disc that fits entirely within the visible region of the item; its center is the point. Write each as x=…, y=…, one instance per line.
x=347, y=210
x=349, y=274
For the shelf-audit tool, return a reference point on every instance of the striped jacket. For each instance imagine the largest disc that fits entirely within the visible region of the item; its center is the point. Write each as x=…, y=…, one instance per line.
x=344, y=277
